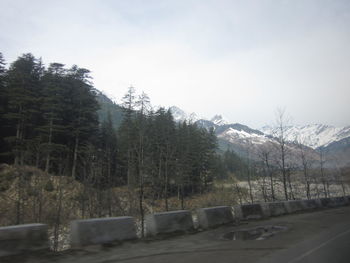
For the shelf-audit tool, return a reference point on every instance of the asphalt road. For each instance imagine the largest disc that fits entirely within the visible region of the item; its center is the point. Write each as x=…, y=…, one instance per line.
x=327, y=247
x=320, y=236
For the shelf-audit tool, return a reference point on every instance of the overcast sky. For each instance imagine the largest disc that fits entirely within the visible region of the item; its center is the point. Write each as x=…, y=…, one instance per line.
x=241, y=59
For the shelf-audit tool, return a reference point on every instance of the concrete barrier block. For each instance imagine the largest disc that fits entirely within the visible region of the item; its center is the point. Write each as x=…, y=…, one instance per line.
x=102, y=230
x=328, y=202
x=318, y=203
x=312, y=204
x=252, y=211
x=339, y=201
x=23, y=238
x=214, y=216
x=169, y=222
x=293, y=206
x=237, y=212
x=266, y=210
x=289, y=207
x=347, y=199
x=277, y=208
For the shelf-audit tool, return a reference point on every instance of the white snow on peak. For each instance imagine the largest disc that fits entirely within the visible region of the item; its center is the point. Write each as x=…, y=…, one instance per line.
x=233, y=135
x=312, y=135
x=219, y=120
x=180, y=115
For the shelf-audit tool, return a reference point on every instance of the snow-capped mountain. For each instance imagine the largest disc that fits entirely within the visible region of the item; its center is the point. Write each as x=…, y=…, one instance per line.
x=219, y=120
x=241, y=135
x=314, y=135
x=245, y=140
x=180, y=115
x=233, y=134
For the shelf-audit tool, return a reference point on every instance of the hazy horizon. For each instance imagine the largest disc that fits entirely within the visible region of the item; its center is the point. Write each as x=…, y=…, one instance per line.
x=240, y=59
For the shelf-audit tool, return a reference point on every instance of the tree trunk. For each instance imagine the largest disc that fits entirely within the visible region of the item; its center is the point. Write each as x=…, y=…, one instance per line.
x=75, y=156
x=47, y=164
x=250, y=185
x=57, y=223
x=271, y=179
x=284, y=174
x=307, y=184
x=182, y=197
x=290, y=187
x=166, y=185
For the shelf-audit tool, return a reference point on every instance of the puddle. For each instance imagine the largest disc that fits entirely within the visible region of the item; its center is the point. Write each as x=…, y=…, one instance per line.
x=256, y=233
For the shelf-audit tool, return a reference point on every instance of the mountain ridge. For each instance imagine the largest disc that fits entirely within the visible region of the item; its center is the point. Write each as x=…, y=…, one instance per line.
x=312, y=135
x=332, y=140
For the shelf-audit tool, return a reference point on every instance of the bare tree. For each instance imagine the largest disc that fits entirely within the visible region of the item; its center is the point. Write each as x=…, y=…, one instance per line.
x=305, y=163
x=323, y=175
x=129, y=101
x=280, y=134
x=265, y=156
x=249, y=170
x=262, y=183
x=144, y=104
x=339, y=177
x=289, y=180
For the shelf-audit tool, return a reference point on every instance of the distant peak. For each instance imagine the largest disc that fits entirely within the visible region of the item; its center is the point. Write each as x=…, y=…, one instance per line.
x=180, y=115
x=175, y=109
x=219, y=120
x=312, y=135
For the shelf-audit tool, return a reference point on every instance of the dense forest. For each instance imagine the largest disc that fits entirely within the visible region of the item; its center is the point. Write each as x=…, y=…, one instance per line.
x=50, y=119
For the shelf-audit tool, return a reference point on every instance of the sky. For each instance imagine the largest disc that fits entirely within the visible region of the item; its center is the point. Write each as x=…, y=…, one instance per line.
x=242, y=59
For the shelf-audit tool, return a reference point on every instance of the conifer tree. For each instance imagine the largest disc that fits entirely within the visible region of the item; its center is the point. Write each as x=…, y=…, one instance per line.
x=81, y=112
x=143, y=105
x=108, y=147
x=53, y=83
x=23, y=100
x=4, y=131
x=127, y=134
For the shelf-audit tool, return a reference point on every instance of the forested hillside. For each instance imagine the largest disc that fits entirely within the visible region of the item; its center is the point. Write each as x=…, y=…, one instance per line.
x=53, y=118
x=64, y=143
x=49, y=119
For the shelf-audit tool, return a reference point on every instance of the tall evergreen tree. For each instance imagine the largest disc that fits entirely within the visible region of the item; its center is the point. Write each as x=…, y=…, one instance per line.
x=5, y=127
x=80, y=113
x=143, y=105
x=23, y=100
x=53, y=83
x=128, y=135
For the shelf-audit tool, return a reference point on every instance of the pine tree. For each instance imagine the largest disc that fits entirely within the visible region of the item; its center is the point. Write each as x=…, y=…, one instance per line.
x=80, y=113
x=5, y=130
x=166, y=148
x=143, y=104
x=128, y=135
x=53, y=83
x=108, y=148
x=23, y=100
x=183, y=160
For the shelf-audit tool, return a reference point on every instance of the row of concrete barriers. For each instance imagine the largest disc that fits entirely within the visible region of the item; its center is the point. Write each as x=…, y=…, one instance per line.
x=33, y=237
